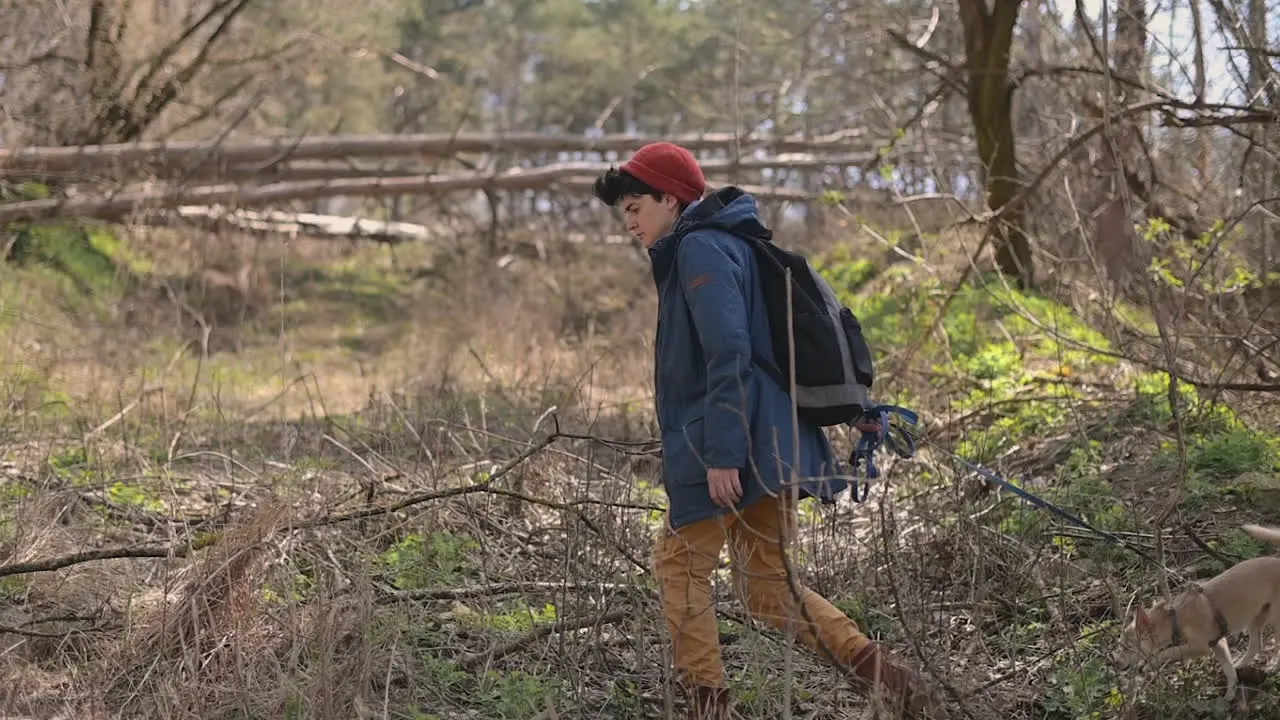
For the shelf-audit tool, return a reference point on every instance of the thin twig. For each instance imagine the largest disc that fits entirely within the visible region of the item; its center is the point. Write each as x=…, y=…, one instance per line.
x=187, y=545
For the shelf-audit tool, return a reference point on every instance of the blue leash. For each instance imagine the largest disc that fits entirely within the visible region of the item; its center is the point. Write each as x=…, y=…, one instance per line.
x=864, y=452
x=1033, y=498
x=905, y=447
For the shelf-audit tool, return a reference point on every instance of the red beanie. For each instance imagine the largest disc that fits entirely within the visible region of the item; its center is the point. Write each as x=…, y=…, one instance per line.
x=668, y=168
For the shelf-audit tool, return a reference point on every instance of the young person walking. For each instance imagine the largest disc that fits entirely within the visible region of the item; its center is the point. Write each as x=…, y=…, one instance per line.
x=727, y=436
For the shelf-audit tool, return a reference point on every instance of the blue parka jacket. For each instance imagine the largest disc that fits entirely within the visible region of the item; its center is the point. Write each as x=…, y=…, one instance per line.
x=715, y=407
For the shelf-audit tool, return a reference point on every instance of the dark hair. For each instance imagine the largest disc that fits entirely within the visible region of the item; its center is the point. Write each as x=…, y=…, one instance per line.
x=615, y=184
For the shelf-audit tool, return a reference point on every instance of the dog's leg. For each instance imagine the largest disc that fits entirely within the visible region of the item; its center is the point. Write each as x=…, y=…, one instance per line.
x=1176, y=653
x=1223, y=654
x=1255, y=642
x=1273, y=619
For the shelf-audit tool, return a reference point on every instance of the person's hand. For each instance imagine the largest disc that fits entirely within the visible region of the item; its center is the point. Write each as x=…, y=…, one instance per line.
x=869, y=422
x=725, y=486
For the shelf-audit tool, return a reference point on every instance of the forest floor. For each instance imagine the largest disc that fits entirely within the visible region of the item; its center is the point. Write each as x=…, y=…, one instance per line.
x=420, y=483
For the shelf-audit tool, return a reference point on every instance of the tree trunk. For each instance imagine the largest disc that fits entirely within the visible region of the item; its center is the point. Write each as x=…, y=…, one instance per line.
x=1123, y=252
x=1204, y=136
x=988, y=36
x=1261, y=86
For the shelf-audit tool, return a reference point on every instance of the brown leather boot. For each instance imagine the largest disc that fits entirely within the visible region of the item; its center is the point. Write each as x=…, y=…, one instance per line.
x=708, y=703
x=904, y=690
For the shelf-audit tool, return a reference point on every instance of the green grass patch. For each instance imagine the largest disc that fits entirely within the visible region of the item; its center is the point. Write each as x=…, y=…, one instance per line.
x=1082, y=684
x=515, y=695
x=79, y=257
x=513, y=616
x=1081, y=488
x=434, y=559
x=1007, y=350
x=1228, y=460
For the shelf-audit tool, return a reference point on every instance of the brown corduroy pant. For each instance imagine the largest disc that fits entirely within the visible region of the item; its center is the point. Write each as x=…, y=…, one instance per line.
x=684, y=560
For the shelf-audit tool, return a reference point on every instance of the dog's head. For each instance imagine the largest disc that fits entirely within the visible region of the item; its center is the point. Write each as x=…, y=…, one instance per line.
x=1149, y=632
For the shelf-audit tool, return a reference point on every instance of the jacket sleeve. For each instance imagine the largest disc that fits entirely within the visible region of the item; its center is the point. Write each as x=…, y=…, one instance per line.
x=714, y=285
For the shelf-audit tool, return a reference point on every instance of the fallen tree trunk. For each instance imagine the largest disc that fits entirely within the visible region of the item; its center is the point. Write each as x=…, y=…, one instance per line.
x=287, y=223
x=178, y=157
x=291, y=171
x=761, y=192
x=119, y=207
x=332, y=170
x=277, y=222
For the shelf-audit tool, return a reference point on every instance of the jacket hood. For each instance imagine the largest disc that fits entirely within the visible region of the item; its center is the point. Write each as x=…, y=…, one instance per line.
x=729, y=208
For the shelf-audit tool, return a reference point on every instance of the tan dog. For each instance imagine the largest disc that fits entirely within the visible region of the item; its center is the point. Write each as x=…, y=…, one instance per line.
x=1198, y=621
